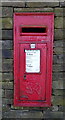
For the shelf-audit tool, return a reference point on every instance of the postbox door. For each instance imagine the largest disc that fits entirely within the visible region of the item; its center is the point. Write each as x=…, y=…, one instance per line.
x=32, y=64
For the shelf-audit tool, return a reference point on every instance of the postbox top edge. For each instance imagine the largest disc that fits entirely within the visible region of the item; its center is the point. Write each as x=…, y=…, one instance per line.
x=33, y=13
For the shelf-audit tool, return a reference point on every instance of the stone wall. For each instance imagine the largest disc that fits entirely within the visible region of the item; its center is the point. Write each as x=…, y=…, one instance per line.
x=58, y=91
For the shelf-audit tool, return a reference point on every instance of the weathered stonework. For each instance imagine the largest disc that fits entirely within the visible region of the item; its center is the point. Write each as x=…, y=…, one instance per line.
x=33, y=9
x=6, y=23
x=59, y=11
x=13, y=4
x=6, y=71
x=42, y=4
x=59, y=22
x=7, y=34
x=57, y=34
x=7, y=12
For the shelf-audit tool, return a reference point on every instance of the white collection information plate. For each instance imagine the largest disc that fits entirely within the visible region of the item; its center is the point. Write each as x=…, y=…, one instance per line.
x=32, y=61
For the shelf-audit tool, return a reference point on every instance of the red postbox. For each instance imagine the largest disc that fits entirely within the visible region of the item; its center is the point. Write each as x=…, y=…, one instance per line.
x=33, y=51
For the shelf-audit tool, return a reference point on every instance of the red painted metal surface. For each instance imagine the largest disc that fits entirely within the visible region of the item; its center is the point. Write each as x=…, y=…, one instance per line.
x=33, y=88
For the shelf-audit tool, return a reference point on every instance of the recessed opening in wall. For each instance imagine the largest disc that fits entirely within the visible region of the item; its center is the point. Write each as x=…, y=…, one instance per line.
x=33, y=29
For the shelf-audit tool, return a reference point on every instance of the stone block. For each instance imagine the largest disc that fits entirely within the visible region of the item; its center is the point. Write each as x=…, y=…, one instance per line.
x=7, y=67
x=5, y=108
x=54, y=108
x=0, y=77
x=57, y=76
x=58, y=43
x=7, y=44
x=59, y=11
x=0, y=44
x=23, y=114
x=7, y=77
x=7, y=85
x=1, y=63
x=58, y=92
x=58, y=50
x=61, y=108
x=62, y=4
x=42, y=4
x=58, y=84
x=7, y=61
x=58, y=59
x=7, y=12
x=6, y=23
x=64, y=22
x=0, y=33
x=58, y=100
x=6, y=53
x=7, y=101
x=64, y=12
x=33, y=9
x=64, y=33
x=0, y=23
x=13, y=4
x=59, y=22
x=58, y=34
x=0, y=11
x=3, y=93
x=53, y=115
x=7, y=34
x=57, y=68
x=9, y=94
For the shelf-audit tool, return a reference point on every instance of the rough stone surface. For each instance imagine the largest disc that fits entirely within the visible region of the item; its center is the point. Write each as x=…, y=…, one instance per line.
x=58, y=43
x=59, y=11
x=58, y=84
x=58, y=50
x=64, y=33
x=42, y=4
x=9, y=94
x=7, y=44
x=57, y=34
x=7, y=12
x=13, y=4
x=3, y=93
x=0, y=44
x=0, y=11
x=0, y=33
x=22, y=114
x=58, y=59
x=7, y=67
x=33, y=9
x=57, y=76
x=6, y=53
x=64, y=22
x=0, y=77
x=7, y=85
x=7, y=34
x=58, y=68
x=58, y=100
x=6, y=101
x=6, y=23
x=59, y=22
x=53, y=115
x=58, y=92
x=7, y=76
x=62, y=4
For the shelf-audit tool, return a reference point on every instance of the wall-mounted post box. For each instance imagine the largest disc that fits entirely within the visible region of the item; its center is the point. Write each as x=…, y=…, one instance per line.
x=33, y=50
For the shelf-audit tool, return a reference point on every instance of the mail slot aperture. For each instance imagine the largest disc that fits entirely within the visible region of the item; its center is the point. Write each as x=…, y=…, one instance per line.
x=33, y=30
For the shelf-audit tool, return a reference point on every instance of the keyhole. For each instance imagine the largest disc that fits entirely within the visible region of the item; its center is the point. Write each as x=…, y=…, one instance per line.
x=24, y=77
